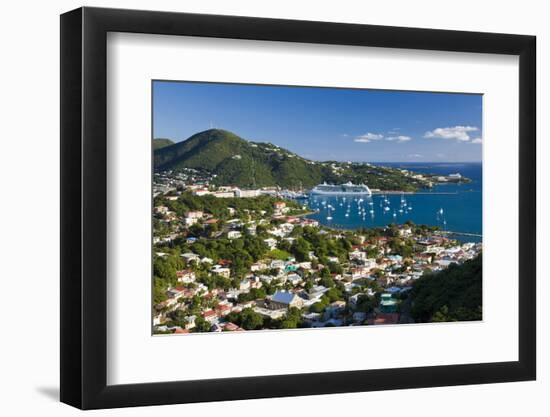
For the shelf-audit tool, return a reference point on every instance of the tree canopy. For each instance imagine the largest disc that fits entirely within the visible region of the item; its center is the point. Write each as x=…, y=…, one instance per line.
x=454, y=294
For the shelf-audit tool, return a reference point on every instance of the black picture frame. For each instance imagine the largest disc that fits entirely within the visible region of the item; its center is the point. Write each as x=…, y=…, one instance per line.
x=84, y=207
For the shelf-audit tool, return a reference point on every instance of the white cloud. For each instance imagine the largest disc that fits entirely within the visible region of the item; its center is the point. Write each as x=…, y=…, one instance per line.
x=344, y=135
x=460, y=133
x=368, y=137
x=477, y=141
x=415, y=155
x=400, y=138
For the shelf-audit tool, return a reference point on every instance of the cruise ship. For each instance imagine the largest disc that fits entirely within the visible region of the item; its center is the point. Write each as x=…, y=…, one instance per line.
x=342, y=189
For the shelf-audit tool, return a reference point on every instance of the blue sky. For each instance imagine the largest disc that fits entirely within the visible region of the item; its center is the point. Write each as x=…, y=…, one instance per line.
x=327, y=123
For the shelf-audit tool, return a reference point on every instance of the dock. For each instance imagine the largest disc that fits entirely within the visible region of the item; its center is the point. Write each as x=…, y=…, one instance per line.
x=447, y=232
x=413, y=193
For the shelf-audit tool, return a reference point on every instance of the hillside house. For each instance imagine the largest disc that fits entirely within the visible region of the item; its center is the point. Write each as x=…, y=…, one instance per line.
x=283, y=299
x=185, y=276
x=234, y=234
x=219, y=270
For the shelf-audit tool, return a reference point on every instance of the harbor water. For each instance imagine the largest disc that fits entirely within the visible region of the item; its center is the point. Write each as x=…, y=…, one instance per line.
x=455, y=207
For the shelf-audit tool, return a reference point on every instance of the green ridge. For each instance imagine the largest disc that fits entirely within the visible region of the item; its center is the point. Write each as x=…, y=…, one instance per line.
x=236, y=161
x=161, y=143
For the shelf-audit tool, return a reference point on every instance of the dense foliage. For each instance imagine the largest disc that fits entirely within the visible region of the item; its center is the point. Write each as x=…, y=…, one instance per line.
x=454, y=294
x=164, y=275
x=218, y=207
x=236, y=161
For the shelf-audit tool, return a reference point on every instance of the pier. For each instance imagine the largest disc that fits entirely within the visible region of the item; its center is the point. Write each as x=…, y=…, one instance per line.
x=460, y=233
x=413, y=193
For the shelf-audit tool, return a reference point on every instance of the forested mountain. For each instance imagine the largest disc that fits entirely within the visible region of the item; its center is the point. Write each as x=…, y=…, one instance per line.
x=161, y=143
x=236, y=161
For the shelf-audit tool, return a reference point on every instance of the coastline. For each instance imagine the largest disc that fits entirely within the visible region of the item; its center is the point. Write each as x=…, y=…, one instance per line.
x=341, y=228
x=453, y=207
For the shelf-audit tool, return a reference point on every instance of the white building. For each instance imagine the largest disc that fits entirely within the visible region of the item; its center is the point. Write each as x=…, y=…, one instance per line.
x=201, y=192
x=185, y=276
x=294, y=279
x=190, y=221
x=195, y=214
x=190, y=322
x=357, y=255
x=234, y=234
x=224, y=194
x=244, y=285
x=258, y=266
x=271, y=243
x=277, y=264
x=190, y=257
x=224, y=272
x=246, y=193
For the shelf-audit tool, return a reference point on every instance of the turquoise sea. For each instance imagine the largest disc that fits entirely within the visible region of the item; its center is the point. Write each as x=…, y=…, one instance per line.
x=452, y=207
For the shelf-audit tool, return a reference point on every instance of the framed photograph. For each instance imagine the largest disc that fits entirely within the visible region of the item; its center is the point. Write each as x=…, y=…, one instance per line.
x=261, y=208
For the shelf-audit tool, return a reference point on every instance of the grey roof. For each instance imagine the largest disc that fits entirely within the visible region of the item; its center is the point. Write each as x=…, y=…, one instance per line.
x=283, y=297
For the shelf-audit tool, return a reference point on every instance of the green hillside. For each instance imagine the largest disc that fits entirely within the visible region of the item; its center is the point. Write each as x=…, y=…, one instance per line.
x=236, y=161
x=161, y=143
x=453, y=294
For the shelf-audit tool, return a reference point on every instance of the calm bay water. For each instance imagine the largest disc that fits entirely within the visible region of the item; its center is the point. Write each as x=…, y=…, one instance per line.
x=453, y=207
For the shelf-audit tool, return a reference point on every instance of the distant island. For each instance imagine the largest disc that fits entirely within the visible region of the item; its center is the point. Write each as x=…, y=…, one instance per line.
x=231, y=160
